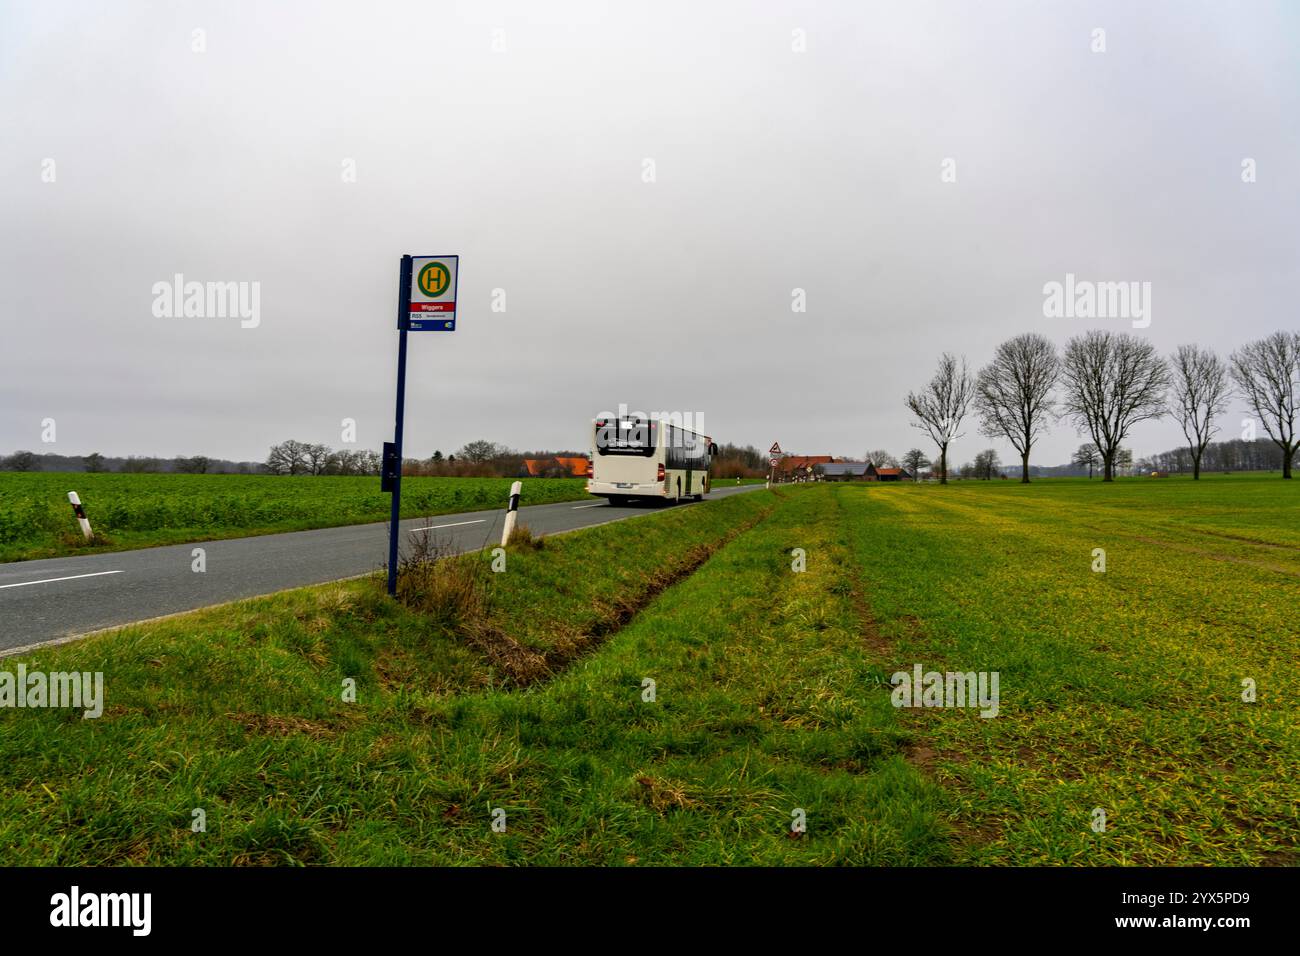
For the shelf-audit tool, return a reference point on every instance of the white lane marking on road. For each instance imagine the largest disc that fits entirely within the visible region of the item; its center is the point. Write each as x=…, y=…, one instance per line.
x=596, y=505
x=456, y=525
x=71, y=577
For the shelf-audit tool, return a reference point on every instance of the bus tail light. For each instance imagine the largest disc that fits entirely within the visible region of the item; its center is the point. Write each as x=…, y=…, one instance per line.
x=660, y=476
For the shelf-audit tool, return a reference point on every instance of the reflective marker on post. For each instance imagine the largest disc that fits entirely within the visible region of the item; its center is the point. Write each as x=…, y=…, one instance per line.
x=513, y=513
x=80, y=512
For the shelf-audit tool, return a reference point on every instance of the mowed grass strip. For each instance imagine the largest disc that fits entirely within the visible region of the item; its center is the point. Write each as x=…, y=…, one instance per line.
x=143, y=510
x=1119, y=690
x=762, y=707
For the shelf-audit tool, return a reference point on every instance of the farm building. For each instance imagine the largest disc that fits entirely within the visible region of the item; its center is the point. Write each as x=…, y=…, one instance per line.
x=844, y=470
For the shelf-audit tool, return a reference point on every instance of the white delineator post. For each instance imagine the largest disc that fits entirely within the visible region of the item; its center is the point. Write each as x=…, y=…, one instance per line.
x=80, y=512
x=515, y=490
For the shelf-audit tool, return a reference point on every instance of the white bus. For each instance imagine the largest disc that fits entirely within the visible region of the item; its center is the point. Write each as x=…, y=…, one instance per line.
x=640, y=458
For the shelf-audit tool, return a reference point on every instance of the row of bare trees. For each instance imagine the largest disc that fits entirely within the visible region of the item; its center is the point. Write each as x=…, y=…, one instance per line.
x=306, y=458
x=476, y=459
x=1107, y=382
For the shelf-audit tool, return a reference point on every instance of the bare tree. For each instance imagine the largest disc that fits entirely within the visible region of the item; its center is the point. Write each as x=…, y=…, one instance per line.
x=1268, y=374
x=318, y=458
x=881, y=458
x=1014, y=393
x=1086, y=455
x=987, y=464
x=479, y=451
x=347, y=462
x=942, y=404
x=1113, y=381
x=1201, y=393
x=287, y=458
x=914, y=461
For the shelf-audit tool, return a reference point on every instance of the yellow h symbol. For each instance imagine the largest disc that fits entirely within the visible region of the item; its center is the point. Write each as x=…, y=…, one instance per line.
x=433, y=279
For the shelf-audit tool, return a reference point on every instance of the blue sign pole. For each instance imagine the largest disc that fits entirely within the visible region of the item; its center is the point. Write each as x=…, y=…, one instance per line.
x=403, y=325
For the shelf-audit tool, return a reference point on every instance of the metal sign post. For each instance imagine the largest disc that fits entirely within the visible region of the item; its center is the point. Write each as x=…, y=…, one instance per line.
x=394, y=480
x=426, y=302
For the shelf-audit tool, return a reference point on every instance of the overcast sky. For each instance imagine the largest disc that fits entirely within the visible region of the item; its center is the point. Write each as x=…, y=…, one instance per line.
x=517, y=135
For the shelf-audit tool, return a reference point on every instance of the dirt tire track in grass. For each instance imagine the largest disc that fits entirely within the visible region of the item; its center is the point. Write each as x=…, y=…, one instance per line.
x=919, y=751
x=920, y=754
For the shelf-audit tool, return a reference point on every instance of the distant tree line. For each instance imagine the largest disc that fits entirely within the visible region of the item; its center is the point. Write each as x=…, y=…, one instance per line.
x=738, y=461
x=1106, y=382
x=1224, y=456
x=485, y=459
x=132, y=464
x=476, y=459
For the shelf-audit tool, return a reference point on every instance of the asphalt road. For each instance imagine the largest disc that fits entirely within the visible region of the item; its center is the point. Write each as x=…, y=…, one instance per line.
x=43, y=601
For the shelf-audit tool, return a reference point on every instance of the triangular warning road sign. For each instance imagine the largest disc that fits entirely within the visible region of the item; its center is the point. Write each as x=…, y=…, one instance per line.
x=775, y=449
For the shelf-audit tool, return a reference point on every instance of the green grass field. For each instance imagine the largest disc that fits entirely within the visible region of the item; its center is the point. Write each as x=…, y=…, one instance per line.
x=143, y=510
x=1119, y=690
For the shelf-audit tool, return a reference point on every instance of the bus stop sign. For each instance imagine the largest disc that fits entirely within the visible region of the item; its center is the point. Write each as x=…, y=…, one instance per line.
x=432, y=303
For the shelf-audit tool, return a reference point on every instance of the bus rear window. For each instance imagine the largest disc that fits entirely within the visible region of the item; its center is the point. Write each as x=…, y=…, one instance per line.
x=634, y=436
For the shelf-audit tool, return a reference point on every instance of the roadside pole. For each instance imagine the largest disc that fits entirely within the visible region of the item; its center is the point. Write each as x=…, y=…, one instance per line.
x=395, y=479
x=426, y=302
x=512, y=512
x=80, y=512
